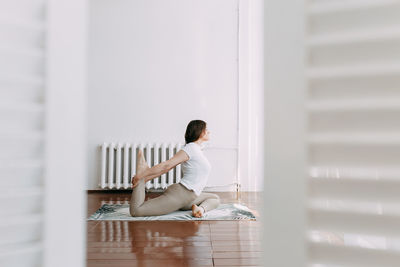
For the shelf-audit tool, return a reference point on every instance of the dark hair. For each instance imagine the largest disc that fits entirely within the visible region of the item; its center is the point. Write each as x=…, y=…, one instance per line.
x=194, y=130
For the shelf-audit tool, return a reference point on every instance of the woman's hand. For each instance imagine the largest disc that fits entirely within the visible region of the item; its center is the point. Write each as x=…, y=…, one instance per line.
x=135, y=181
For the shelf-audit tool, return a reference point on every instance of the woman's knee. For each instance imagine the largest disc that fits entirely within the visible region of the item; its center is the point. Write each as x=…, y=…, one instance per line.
x=217, y=200
x=135, y=212
x=216, y=197
x=132, y=211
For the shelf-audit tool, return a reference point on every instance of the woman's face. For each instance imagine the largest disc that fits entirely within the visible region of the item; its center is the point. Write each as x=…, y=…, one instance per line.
x=205, y=135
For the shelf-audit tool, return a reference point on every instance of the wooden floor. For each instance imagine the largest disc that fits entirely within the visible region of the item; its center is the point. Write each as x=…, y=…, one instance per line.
x=173, y=243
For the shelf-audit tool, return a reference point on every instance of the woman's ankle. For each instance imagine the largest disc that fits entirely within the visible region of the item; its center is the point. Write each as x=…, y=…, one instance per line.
x=204, y=210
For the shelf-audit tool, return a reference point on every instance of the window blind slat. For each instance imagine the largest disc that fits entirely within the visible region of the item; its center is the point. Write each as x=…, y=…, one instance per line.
x=351, y=256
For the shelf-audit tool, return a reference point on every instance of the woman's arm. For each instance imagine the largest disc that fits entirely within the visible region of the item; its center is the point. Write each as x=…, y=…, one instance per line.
x=163, y=167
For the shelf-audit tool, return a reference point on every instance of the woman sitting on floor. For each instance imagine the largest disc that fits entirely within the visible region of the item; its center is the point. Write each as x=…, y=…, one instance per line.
x=185, y=195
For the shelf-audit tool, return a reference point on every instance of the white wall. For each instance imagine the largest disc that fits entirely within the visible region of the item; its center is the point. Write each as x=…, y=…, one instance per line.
x=154, y=66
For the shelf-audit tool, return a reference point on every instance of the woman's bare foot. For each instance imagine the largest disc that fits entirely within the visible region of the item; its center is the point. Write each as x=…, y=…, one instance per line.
x=141, y=164
x=141, y=167
x=197, y=211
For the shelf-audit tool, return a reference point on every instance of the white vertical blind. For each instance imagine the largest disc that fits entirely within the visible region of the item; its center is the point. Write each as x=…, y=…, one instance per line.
x=353, y=79
x=22, y=55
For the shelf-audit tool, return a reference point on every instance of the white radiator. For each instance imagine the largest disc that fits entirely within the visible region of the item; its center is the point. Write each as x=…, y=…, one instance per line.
x=118, y=164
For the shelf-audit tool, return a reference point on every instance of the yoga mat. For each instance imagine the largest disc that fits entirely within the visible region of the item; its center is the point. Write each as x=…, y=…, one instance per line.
x=120, y=212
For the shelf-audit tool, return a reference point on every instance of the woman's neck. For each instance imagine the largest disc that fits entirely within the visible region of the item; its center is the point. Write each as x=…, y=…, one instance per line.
x=199, y=142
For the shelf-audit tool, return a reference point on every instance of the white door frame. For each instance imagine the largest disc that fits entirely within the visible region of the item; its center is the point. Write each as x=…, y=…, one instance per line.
x=251, y=95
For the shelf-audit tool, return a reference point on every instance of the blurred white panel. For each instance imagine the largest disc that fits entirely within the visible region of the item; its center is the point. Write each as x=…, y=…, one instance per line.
x=353, y=71
x=22, y=63
x=65, y=146
x=285, y=127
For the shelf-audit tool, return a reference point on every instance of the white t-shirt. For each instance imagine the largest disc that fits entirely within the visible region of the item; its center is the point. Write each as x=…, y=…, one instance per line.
x=196, y=169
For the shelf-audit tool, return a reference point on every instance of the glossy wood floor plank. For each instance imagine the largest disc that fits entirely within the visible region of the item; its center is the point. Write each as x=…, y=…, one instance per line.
x=125, y=244
x=237, y=262
x=236, y=248
x=159, y=255
x=237, y=255
x=172, y=243
x=174, y=249
x=150, y=263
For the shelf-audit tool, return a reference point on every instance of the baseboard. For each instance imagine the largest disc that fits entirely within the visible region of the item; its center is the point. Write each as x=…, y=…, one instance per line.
x=109, y=190
x=113, y=191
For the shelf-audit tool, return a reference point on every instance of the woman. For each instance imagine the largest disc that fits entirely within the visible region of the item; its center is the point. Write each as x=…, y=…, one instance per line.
x=185, y=195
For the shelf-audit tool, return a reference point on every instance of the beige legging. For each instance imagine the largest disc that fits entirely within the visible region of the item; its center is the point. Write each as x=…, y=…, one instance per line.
x=176, y=197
